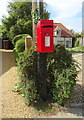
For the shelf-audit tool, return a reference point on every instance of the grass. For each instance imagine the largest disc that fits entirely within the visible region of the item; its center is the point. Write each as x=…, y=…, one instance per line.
x=76, y=49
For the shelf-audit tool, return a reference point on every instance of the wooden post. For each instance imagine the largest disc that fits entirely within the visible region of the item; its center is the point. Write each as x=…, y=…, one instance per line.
x=41, y=57
x=42, y=74
x=41, y=8
x=28, y=42
x=34, y=2
x=43, y=67
x=42, y=62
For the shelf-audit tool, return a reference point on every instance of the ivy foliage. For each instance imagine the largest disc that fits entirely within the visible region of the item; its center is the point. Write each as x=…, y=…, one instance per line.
x=61, y=75
x=43, y=14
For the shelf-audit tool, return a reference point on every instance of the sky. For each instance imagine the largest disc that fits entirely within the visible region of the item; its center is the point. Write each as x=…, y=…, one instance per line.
x=67, y=12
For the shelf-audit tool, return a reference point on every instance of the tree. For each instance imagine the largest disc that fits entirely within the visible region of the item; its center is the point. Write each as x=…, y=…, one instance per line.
x=76, y=34
x=0, y=31
x=19, y=20
x=75, y=37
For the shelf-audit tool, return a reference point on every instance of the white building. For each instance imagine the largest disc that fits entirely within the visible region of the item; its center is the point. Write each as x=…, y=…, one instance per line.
x=62, y=35
x=81, y=41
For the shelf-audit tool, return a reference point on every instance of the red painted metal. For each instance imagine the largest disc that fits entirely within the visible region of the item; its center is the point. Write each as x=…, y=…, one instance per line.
x=44, y=36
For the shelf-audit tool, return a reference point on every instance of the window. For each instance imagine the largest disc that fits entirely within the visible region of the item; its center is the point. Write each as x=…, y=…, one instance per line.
x=57, y=32
x=67, y=44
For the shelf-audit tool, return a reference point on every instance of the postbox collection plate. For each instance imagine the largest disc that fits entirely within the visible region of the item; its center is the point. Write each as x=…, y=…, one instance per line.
x=47, y=41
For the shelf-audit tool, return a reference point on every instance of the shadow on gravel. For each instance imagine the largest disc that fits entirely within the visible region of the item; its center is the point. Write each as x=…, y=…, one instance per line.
x=75, y=111
x=78, y=95
x=77, y=101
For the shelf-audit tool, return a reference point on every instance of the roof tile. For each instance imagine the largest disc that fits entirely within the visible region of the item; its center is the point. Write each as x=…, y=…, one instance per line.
x=65, y=32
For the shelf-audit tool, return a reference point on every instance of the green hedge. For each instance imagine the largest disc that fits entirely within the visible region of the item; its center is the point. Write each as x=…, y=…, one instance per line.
x=61, y=75
x=20, y=45
x=17, y=37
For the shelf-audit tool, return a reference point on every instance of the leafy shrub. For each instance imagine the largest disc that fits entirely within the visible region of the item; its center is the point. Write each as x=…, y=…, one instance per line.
x=18, y=37
x=20, y=45
x=26, y=72
x=77, y=43
x=15, y=55
x=63, y=86
x=61, y=75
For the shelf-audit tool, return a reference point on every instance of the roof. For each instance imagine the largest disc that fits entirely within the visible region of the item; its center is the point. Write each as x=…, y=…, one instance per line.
x=57, y=28
x=64, y=31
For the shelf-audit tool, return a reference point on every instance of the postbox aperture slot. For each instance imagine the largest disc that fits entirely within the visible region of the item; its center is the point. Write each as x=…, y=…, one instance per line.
x=46, y=26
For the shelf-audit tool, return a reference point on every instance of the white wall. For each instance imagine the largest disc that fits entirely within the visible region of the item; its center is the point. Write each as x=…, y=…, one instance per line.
x=81, y=41
x=58, y=40
x=0, y=43
x=67, y=42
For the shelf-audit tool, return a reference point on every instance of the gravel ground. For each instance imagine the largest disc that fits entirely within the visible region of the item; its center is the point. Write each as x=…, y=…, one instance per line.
x=79, y=89
x=13, y=105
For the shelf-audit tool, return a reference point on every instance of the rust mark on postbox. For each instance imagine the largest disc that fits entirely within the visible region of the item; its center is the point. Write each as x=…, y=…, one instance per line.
x=44, y=36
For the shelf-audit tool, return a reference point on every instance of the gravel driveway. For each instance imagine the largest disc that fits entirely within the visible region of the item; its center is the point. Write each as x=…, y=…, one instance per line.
x=12, y=105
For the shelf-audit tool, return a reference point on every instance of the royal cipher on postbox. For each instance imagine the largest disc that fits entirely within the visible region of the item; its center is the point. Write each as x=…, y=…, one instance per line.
x=44, y=36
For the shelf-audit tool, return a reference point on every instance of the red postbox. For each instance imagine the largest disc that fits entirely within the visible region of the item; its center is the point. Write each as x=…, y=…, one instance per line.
x=44, y=36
